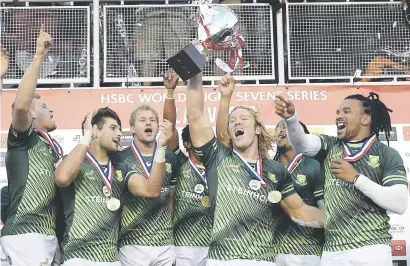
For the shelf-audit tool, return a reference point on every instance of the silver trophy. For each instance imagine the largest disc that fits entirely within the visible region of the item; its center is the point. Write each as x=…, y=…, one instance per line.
x=218, y=30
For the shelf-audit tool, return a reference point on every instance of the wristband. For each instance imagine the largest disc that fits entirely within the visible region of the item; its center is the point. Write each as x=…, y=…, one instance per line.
x=86, y=139
x=160, y=154
x=356, y=177
x=170, y=95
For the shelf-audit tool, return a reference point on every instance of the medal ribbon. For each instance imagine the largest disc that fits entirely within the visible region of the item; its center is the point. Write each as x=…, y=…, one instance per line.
x=350, y=156
x=257, y=173
x=145, y=168
x=295, y=161
x=106, y=177
x=53, y=144
x=195, y=169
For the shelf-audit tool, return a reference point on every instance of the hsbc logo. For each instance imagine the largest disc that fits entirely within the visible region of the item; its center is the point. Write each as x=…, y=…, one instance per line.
x=398, y=247
x=397, y=228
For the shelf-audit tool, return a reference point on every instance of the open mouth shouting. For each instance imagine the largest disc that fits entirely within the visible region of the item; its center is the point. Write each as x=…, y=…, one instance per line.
x=148, y=131
x=239, y=132
x=341, y=125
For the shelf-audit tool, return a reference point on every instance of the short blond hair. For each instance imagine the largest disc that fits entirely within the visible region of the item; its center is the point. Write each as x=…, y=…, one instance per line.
x=265, y=140
x=141, y=108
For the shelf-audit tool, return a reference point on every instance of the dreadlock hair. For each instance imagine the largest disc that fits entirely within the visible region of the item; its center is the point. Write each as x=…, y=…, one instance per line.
x=185, y=135
x=265, y=140
x=377, y=110
x=277, y=154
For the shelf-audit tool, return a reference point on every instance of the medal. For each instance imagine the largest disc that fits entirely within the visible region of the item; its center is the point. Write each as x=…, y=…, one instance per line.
x=255, y=184
x=199, y=188
x=198, y=173
x=113, y=204
x=350, y=156
x=106, y=192
x=146, y=166
x=257, y=173
x=274, y=196
x=205, y=202
x=54, y=146
x=292, y=165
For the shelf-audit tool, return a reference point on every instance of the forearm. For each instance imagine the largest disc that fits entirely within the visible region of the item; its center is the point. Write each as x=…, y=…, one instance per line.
x=195, y=97
x=156, y=178
x=170, y=114
x=307, y=144
x=393, y=198
x=28, y=84
x=309, y=216
x=67, y=171
x=222, y=119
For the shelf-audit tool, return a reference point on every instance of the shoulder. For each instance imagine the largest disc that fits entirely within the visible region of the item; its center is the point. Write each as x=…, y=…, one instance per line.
x=120, y=156
x=274, y=169
x=310, y=162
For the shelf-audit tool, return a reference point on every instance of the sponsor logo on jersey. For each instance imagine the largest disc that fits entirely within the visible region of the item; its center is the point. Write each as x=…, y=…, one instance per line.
x=398, y=247
x=273, y=178
x=118, y=175
x=340, y=183
x=301, y=180
x=374, y=161
x=168, y=168
x=248, y=193
x=89, y=175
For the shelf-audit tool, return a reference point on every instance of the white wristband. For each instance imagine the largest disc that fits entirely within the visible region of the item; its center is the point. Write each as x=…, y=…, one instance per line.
x=86, y=139
x=160, y=154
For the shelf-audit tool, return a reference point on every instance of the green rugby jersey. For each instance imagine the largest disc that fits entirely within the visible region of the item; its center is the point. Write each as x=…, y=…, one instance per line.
x=192, y=220
x=353, y=220
x=146, y=221
x=91, y=228
x=308, y=183
x=244, y=221
x=30, y=172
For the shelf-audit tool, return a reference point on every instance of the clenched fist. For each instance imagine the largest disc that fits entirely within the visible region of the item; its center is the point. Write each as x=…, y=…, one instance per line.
x=283, y=107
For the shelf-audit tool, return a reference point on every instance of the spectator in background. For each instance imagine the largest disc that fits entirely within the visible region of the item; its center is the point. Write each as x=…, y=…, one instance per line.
x=160, y=33
x=4, y=203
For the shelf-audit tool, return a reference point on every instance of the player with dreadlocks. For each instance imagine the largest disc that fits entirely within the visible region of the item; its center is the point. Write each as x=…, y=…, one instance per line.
x=363, y=179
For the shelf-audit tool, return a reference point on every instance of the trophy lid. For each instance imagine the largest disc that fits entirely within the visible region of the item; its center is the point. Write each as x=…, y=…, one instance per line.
x=222, y=24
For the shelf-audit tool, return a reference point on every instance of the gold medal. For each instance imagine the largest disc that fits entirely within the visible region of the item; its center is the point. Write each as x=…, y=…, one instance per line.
x=205, y=202
x=113, y=204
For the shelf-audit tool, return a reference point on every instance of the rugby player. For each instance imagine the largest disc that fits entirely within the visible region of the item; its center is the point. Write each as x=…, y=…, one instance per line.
x=192, y=220
x=364, y=178
x=299, y=245
x=246, y=190
x=30, y=159
x=146, y=222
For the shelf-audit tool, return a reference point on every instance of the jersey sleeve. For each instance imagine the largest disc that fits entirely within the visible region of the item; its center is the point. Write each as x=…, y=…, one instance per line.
x=317, y=180
x=327, y=142
x=21, y=139
x=394, y=172
x=285, y=185
x=212, y=152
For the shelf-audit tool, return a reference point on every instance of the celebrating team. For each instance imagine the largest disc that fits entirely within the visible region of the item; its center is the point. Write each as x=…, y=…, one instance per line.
x=226, y=203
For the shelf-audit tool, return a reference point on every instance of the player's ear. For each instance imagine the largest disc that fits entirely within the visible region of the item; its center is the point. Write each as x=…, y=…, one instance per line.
x=366, y=120
x=258, y=130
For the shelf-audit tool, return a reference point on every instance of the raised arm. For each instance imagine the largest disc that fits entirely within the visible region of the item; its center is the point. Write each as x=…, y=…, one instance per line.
x=66, y=171
x=170, y=112
x=200, y=130
x=139, y=185
x=25, y=93
x=307, y=144
x=226, y=88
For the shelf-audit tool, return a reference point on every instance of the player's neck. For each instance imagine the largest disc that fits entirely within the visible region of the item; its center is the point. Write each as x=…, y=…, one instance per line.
x=363, y=134
x=288, y=157
x=194, y=157
x=251, y=153
x=144, y=147
x=99, y=153
x=40, y=127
